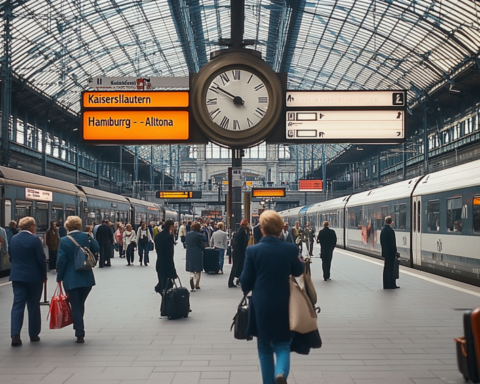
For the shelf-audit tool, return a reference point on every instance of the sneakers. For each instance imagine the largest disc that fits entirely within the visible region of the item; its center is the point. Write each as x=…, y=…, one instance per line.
x=280, y=379
x=16, y=341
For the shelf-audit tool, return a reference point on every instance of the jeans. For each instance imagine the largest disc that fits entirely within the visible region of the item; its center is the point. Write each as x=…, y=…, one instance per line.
x=266, y=349
x=221, y=258
x=30, y=294
x=77, y=298
x=52, y=259
x=143, y=249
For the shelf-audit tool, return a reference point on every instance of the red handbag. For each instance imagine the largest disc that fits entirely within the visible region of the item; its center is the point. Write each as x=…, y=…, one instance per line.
x=60, y=312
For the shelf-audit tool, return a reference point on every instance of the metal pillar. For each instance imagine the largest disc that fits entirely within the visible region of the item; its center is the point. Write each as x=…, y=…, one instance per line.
x=178, y=166
x=296, y=165
x=121, y=170
x=6, y=80
x=404, y=168
x=162, y=187
x=425, y=137
x=236, y=197
x=77, y=165
x=44, y=149
x=378, y=170
x=135, y=176
x=237, y=16
x=151, y=168
x=324, y=172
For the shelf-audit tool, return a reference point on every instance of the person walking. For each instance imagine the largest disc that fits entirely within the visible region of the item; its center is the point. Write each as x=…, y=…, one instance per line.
x=286, y=235
x=389, y=253
x=104, y=238
x=268, y=266
x=119, y=239
x=77, y=284
x=143, y=239
x=219, y=241
x=28, y=272
x=309, y=237
x=12, y=230
x=62, y=231
x=239, y=248
x=182, y=233
x=129, y=243
x=194, y=263
x=52, y=240
x=327, y=239
x=297, y=234
x=3, y=245
x=165, y=265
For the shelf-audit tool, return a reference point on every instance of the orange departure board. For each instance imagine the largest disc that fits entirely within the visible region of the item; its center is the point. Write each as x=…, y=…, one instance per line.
x=310, y=185
x=137, y=100
x=268, y=192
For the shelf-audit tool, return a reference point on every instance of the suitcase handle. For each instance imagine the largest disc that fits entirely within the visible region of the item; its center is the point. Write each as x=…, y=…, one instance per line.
x=462, y=342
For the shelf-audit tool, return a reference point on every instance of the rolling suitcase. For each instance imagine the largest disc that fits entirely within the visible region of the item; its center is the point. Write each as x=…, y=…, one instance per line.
x=211, y=262
x=471, y=325
x=176, y=302
x=462, y=360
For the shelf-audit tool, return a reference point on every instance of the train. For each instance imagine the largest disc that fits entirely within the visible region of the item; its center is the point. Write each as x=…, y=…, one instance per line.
x=46, y=199
x=436, y=218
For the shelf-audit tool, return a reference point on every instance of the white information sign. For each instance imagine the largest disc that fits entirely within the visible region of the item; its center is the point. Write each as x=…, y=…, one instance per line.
x=38, y=194
x=345, y=99
x=138, y=83
x=236, y=177
x=345, y=125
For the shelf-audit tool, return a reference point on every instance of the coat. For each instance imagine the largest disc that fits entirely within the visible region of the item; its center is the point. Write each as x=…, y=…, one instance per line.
x=3, y=242
x=241, y=242
x=28, y=259
x=53, y=239
x=389, y=252
x=328, y=240
x=65, y=263
x=287, y=238
x=268, y=266
x=195, y=246
x=104, y=235
x=165, y=265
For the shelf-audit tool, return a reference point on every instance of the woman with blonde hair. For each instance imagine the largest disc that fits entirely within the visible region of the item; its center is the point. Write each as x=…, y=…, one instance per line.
x=267, y=270
x=77, y=284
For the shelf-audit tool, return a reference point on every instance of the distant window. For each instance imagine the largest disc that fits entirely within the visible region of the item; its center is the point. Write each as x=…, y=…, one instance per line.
x=374, y=168
x=433, y=216
x=358, y=218
x=454, y=215
x=400, y=213
x=476, y=214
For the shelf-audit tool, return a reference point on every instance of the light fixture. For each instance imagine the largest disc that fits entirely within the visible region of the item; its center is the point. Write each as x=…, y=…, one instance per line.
x=452, y=89
x=74, y=129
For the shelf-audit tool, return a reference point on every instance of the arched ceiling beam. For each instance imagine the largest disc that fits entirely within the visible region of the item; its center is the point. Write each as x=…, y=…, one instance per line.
x=297, y=11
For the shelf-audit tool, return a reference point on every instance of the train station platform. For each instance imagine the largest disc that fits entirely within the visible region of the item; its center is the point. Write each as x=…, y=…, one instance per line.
x=370, y=335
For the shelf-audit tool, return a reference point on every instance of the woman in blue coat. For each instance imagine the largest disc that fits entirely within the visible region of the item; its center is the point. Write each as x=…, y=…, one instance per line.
x=194, y=264
x=268, y=266
x=77, y=284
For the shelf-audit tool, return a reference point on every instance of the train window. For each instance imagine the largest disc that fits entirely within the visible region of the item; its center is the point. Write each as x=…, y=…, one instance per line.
x=71, y=211
x=358, y=218
x=22, y=209
x=7, y=213
x=433, y=216
x=454, y=215
x=41, y=217
x=476, y=214
x=351, y=218
x=400, y=219
x=57, y=214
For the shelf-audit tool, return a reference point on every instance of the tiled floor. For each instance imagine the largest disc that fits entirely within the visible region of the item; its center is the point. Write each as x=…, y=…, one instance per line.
x=369, y=335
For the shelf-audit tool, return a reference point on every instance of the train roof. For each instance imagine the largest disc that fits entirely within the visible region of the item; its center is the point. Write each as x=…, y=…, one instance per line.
x=322, y=206
x=144, y=203
x=291, y=212
x=31, y=180
x=458, y=177
x=396, y=191
x=103, y=195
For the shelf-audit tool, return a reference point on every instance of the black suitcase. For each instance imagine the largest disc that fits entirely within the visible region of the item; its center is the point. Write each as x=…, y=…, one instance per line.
x=471, y=318
x=211, y=262
x=462, y=360
x=176, y=302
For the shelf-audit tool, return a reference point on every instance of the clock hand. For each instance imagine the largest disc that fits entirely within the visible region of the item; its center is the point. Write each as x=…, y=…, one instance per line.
x=236, y=99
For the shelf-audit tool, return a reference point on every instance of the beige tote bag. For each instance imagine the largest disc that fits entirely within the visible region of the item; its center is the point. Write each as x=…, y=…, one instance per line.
x=302, y=315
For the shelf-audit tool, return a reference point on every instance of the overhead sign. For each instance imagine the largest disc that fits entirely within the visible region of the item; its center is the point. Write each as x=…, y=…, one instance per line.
x=346, y=125
x=139, y=83
x=38, y=194
x=268, y=192
x=128, y=99
x=135, y=125
x=348, y=99
x=179, y=194
x=310, y=185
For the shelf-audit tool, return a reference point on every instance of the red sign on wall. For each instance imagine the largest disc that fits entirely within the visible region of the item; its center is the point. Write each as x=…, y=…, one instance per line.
x=311, y=185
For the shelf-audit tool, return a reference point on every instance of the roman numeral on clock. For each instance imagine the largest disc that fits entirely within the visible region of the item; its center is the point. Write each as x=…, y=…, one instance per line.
x=212, y=101
x=215, y=113
x=250, y=124
x=214, y=88
x=259, y=86
x=236, y=75
x=263, y=100
x=260, y=112
x=224, y=123
x=236, y=125
x=225, y=78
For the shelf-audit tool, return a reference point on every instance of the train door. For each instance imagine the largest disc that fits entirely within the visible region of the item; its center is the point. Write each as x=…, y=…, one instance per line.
x=416, y=230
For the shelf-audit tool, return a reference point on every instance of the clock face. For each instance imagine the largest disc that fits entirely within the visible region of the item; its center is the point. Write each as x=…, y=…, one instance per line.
x=237, y=100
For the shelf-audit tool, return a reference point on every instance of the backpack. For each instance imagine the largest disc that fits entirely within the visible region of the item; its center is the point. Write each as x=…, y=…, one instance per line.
x=83, y=258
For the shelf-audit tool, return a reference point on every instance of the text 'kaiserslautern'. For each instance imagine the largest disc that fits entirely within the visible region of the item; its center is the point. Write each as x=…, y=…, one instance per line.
x=127, y=123
x=120, y=99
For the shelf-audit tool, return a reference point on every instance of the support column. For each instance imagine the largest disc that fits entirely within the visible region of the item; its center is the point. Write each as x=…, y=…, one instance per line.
x=77, y=164
x=404, y=168
x=425, y=137
x=378, y=170
x=324, y=173
x=236, y=192
x=151, y=168
x=135, y=173
x=6, y=83
x=44, y=148
x=121, y=170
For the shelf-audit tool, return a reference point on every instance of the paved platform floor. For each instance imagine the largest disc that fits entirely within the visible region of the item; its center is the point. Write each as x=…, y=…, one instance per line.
x=370, y=335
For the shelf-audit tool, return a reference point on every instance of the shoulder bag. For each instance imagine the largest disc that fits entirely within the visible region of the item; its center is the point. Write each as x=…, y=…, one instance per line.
x=83, y=258
x=308, y=283
x=302, y=315
x=240, y=321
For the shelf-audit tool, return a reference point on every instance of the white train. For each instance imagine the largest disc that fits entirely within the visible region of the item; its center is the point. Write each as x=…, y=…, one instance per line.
x=436, y=220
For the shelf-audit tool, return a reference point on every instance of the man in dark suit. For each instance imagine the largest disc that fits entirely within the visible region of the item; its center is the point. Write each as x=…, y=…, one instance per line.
x=286, y=235
x=328, y=240
x=239, y=248
x=389, y=253
x=104, y=238
x=27, y=274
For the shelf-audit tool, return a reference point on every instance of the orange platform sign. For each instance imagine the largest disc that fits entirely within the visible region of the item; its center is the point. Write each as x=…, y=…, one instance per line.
x=268, y=192
x=310, y=185
x=142, y=99
x=135, y=125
